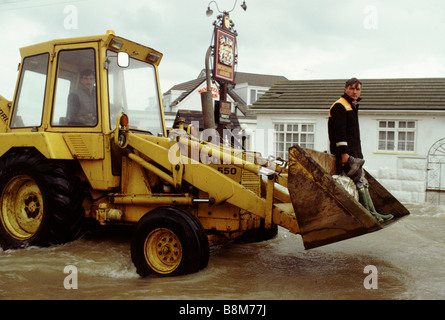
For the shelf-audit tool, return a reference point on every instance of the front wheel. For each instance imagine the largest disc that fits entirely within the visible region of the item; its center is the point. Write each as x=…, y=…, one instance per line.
x=169, y=242
x=40, y=204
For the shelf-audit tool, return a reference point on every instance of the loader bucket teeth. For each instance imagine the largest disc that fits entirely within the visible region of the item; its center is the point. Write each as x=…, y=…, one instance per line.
x=325, y=211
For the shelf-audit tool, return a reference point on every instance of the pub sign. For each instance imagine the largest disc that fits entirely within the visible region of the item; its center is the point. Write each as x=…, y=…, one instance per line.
x=225, y=42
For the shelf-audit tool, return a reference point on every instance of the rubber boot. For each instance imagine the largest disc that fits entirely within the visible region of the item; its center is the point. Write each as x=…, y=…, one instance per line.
x=366, y=201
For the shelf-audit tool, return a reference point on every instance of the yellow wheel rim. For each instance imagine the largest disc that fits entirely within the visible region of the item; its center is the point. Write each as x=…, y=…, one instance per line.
x=163, y=251
x=21, y=207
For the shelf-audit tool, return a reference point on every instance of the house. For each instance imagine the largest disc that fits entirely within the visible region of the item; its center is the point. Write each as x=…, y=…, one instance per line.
x=247, y=89
x=402, y=129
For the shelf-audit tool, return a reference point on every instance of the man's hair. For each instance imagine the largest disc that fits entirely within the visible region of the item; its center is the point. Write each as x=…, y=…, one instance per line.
x=86, y=73
x=353, y=82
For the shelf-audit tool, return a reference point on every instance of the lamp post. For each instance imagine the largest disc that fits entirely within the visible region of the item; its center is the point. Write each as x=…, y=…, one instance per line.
x=223, y=68
x=209, y=11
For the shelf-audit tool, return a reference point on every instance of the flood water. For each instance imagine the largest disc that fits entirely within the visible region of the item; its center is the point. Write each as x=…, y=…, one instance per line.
x=409, y=257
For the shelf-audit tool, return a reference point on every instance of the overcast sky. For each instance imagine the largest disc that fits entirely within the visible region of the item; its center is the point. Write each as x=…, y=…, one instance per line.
x=318, y=39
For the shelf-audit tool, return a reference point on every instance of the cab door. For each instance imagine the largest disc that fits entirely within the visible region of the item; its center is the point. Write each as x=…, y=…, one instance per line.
x=77, y=111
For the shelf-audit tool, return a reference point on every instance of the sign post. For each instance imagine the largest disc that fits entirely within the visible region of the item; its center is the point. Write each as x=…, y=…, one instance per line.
x=224, y=67
x=224, y=61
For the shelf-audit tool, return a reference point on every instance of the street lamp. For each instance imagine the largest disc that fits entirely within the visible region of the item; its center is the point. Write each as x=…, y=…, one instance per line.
x=209, y=11
x=244, y=6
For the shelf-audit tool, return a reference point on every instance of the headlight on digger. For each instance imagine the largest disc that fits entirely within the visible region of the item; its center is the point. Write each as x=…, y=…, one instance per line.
x=122, y=126
x=122, y=140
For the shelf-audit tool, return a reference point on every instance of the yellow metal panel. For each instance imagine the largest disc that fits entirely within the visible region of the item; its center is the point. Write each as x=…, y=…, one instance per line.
x=283, y=215
x=128, y=46
x=5, y=109
x=146, y=200
x=85, y=145
x=51, y=145
x=227, y=225
x=251, y=181
x=269, y=202
x=99, y=175
x=134, y=179
x=48, y=46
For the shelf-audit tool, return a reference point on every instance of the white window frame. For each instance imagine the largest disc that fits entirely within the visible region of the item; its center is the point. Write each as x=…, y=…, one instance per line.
x=287, y=136
x=398, y=140
x=257, y=93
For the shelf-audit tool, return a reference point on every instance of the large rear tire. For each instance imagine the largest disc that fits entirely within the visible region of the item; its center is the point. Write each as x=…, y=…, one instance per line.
x=40, y=202
x=169, y=242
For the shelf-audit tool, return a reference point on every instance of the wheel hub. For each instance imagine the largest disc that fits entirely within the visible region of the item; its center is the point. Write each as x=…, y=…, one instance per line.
x=168, y=249
x=21, y=207
x=32, y=206
x=163, y=251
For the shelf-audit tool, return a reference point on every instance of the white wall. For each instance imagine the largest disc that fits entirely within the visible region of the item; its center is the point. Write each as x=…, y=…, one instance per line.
x=403, y=174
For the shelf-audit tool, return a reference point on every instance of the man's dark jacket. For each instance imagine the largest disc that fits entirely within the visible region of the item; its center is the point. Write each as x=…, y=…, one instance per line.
x=344, y=131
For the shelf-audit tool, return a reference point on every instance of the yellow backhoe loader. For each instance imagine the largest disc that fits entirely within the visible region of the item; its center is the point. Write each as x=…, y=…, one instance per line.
x=85, y=139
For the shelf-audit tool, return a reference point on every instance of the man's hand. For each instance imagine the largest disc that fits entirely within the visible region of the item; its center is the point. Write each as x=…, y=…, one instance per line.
x=344, y=158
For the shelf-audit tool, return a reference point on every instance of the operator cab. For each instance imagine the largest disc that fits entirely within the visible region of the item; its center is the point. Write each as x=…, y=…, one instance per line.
x=82, y=86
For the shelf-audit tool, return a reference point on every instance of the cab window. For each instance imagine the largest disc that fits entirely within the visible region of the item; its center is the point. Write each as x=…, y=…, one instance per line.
x=75, y=100
x=28, y=108
x=133, y=89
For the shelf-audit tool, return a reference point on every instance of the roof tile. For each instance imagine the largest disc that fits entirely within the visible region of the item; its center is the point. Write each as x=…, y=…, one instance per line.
x=377, y=94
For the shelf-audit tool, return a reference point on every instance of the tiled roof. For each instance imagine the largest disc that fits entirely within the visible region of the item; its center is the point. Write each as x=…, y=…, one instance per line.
x=257, y=80
x=377, y=94
x=188, y=86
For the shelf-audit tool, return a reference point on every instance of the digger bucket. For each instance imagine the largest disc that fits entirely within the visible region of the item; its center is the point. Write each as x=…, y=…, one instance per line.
x=324, y=210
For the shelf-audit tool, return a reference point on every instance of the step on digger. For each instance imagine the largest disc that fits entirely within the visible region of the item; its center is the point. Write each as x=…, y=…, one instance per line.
x=62, y=164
